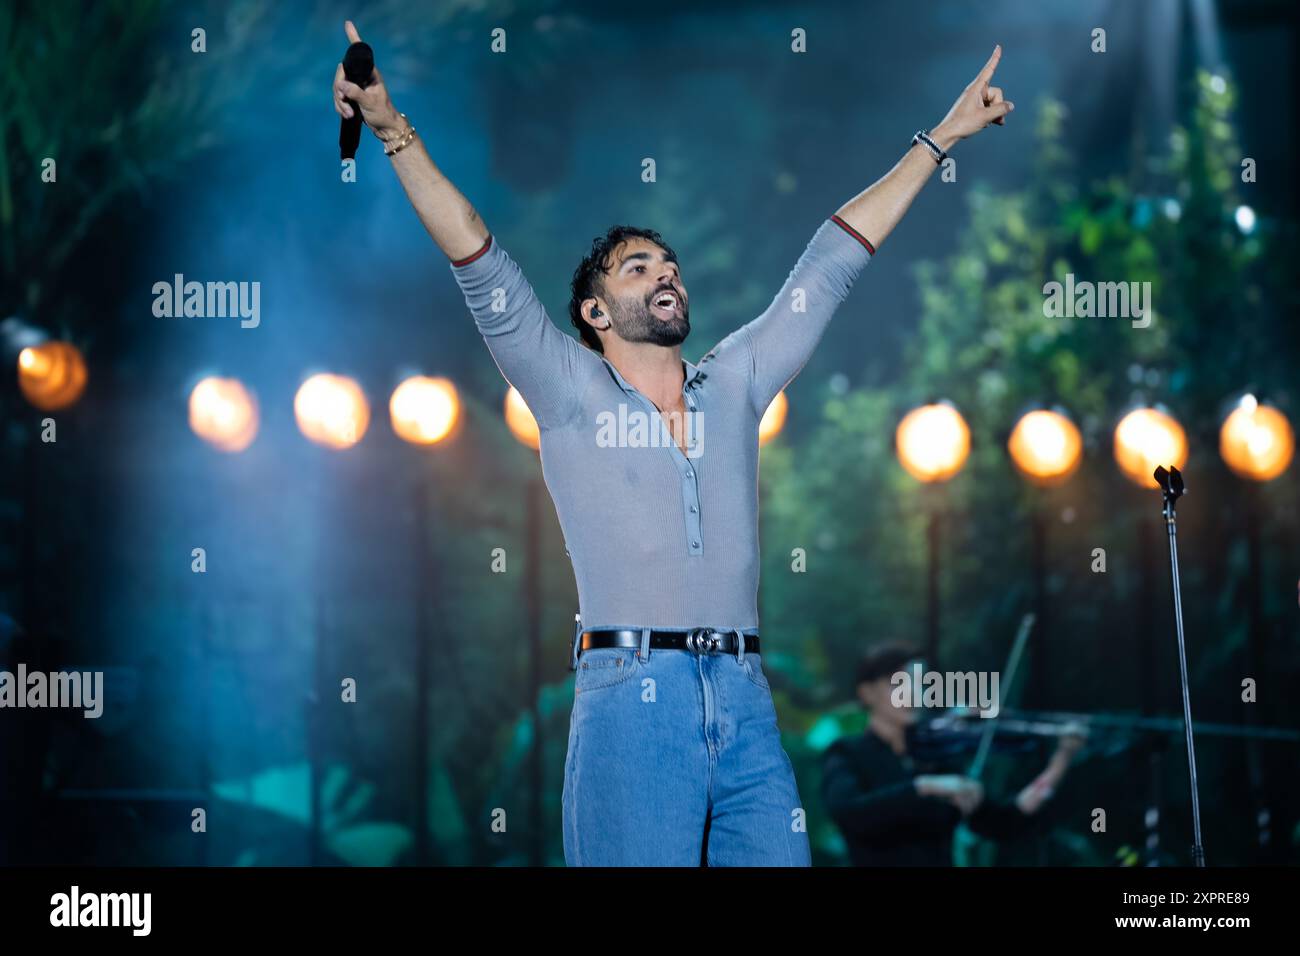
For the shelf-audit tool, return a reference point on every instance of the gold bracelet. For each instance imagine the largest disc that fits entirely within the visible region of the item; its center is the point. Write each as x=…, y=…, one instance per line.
x=404, y=134
x=380, y=138
x=410, y=138
x=401, y=142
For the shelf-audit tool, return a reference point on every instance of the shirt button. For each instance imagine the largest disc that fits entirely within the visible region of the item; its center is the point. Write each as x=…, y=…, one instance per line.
x=695, y=544
x=689, y=473
x=694, y=509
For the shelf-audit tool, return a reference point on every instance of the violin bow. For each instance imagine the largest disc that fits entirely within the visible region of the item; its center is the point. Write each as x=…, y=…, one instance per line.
x=1012, y=665
x=1045, y=721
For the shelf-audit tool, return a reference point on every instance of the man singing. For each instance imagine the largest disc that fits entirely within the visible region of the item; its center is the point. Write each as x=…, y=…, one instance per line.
x=674, y=756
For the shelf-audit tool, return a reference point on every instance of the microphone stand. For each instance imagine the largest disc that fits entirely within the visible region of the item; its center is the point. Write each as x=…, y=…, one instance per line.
x=1171, y=483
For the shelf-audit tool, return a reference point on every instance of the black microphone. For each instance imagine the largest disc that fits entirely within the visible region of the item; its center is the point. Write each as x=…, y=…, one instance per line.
x=358, y=67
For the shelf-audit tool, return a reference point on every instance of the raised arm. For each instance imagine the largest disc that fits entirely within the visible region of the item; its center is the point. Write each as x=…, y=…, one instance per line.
x=875, y=211
x=549, y=368
x=774, y=347
x=448, y=216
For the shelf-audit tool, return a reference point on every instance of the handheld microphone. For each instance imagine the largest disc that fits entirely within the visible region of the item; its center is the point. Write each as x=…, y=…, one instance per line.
x=358, y=67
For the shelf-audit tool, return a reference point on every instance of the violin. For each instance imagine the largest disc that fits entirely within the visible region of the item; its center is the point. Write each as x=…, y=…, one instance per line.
x=961, y=731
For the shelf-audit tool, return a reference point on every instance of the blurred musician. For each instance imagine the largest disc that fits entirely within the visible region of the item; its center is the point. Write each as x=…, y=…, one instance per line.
x=893, y=811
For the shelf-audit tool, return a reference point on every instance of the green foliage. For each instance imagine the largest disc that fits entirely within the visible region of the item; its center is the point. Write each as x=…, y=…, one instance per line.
x=114, y=133
x=984, y=342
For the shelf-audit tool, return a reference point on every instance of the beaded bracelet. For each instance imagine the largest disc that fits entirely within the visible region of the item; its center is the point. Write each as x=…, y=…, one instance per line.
x=923, y=138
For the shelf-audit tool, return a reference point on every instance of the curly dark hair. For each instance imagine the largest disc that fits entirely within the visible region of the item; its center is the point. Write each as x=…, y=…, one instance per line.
x=588, y=278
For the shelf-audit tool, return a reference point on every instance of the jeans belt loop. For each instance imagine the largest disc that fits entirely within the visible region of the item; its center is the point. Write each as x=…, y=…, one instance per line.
x=740, y=646
x=644, y=652
x=577, y=639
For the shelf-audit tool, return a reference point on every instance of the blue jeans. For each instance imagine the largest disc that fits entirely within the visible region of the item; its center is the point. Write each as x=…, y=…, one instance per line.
x=676, y=759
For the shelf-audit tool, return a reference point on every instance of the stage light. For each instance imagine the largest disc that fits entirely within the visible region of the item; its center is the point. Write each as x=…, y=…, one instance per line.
x=1046, y=446
x=331, y=410
x=223, y=413
x=52, y=375
x=773, y=419
x=1256, y=441
x=933, y=442
x=424, y=410
x=520, y=420
x=1146, y=438
x=1245, y=218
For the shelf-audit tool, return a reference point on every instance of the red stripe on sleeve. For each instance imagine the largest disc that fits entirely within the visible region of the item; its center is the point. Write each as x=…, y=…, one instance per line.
x=468, y=259
x=854, y=233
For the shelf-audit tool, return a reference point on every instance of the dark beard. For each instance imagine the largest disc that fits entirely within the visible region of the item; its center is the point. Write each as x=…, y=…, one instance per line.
x=634, y=322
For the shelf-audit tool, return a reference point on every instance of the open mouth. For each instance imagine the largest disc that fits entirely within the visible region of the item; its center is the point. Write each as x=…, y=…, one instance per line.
x=666, y=305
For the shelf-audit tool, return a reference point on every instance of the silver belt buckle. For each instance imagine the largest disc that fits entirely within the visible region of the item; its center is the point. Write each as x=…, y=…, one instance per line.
x=703, y=640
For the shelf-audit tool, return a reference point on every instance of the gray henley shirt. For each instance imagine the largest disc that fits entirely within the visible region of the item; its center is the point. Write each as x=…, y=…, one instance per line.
x=659, y=538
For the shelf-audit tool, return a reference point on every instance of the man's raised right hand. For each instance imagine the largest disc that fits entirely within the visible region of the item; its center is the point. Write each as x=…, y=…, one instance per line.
x=376, y=108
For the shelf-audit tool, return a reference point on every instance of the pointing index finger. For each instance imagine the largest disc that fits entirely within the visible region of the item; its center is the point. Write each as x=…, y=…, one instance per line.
x=986, y=74
x=353, y=35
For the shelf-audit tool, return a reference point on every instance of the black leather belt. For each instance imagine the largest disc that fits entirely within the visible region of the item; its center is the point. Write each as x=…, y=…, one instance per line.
x=698, y=640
